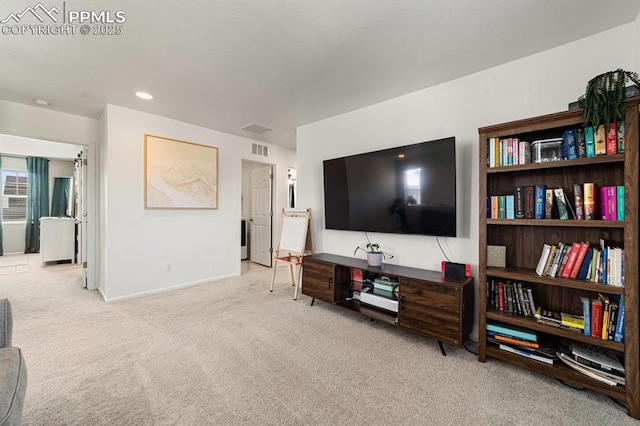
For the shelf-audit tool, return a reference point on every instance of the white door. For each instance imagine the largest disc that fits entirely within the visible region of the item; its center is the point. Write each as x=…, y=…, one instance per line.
x=81, y=174
x=261, y=215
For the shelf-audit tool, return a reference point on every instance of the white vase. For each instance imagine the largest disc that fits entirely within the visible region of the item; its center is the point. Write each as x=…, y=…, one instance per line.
x=374, y=258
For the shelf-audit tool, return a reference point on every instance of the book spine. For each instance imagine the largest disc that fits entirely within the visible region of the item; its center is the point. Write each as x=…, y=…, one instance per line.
x=525, y=335
x=620, y=137
x=494, y=206
x=577, y=200
x=562, y=249
x=540, y=195
x=596, y=317
x=620, y=202
x=548, y=204
x=612, y=143
x=600, y=138
x=569, y=137
x=505, y=152
x=580, y=143
x=589, y=142
x=619, y=333
x=501, y=296
x=502, y=213
x=491, y=142
x=531, y=301
x=516, y=151
x=550, y=258
x=529, y=202
x=586, y=314
x=519, y=200
x=563, y=212
x=566, y=273
x=565, y=260
x=589, y=193
x=613, y=319
x=603, y=203
x=546, y=249
x=586, y=264
x=612, y=199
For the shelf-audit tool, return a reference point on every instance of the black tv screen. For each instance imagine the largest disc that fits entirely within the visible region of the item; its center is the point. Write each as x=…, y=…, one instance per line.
x=403, y=190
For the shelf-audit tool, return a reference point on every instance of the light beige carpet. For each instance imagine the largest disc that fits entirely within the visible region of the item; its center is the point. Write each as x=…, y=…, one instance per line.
x=230, y=352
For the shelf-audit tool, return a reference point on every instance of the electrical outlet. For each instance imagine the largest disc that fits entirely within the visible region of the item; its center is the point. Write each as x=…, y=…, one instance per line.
x=169, y=267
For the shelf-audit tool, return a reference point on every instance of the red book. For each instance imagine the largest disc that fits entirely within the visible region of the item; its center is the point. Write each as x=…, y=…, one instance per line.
x=529, y=201
x=573, y=256
x=501, y=296
x=612, y=142
x=596, y=317
x=579, y=259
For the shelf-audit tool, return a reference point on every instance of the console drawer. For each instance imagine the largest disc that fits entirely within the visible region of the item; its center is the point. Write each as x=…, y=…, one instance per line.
x=318, y=280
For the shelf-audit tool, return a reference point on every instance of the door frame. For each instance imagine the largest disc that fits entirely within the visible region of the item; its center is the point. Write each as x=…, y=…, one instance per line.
x=247, y=165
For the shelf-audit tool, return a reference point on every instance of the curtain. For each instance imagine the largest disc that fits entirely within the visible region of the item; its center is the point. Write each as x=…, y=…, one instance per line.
x=60, y=198
x=37, y=200
x=1, y=194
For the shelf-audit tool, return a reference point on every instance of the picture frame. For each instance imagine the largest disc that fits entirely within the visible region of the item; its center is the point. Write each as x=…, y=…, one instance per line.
x=179, y=174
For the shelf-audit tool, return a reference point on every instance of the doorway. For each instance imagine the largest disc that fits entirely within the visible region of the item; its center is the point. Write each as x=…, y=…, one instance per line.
x=65, y=164
x=257, y=210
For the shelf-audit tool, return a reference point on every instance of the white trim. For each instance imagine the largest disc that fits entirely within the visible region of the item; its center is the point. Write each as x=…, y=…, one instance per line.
x=165, y=289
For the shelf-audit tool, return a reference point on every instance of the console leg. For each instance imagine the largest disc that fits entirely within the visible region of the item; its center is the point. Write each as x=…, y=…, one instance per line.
x=312, y=300
x=442, y=348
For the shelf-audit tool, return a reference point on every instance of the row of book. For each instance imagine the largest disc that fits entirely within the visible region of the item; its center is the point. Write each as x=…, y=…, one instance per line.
x=510, y=297
x=604, y=317
x=598, y=363
x=539, y=202
x=579, y=260
x=574, y=143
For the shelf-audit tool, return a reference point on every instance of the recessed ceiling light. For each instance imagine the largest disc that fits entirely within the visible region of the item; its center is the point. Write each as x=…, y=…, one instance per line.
x=144, y=95
x=41, y=102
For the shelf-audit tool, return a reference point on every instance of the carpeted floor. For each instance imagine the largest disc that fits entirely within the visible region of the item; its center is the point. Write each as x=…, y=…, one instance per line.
x=230, y=352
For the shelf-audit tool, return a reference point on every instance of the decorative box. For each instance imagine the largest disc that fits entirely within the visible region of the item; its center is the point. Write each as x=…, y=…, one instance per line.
x=497, y=256
x=546, y=150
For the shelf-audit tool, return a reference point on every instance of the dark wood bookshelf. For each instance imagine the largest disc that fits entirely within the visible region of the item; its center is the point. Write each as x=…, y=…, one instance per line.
x=524, y=239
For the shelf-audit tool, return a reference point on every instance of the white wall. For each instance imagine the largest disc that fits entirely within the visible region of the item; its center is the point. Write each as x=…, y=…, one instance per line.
x=535, y=85
x=200, y=245
x=636, y=43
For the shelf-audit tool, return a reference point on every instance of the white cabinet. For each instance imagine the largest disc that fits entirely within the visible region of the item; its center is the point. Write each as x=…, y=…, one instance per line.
x=57, y=238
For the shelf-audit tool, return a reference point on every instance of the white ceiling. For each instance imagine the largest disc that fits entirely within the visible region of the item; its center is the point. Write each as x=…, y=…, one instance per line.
x=224, y=64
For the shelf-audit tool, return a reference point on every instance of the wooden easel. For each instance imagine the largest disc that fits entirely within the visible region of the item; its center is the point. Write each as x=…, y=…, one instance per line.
x=295, y=242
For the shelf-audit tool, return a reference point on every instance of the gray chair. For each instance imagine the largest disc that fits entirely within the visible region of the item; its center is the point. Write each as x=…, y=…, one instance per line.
x=13, y=371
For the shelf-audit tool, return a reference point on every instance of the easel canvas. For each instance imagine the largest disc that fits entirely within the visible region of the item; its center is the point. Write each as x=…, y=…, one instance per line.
x=295, y=241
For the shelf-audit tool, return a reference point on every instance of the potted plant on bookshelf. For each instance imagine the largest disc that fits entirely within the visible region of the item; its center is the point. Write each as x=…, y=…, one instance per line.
x=374, y=254
x=604, y=95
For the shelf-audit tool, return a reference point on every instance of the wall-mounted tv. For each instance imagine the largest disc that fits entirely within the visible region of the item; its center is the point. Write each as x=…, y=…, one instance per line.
x=403, y=190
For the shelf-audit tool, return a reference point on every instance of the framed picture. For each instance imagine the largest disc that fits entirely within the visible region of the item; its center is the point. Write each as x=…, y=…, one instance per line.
x=179, y=175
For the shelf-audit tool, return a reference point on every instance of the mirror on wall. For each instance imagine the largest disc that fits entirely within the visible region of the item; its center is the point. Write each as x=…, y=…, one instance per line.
x=291, y=181
x=62, y=198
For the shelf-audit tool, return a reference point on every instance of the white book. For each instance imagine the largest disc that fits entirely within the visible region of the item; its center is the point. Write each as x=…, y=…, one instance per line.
x=546, y=249
x=578, y=367
x=492, y=152
x=598, y=356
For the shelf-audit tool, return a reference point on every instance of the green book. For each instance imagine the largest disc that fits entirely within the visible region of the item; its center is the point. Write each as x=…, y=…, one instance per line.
x=513, y=332
x=620, y=201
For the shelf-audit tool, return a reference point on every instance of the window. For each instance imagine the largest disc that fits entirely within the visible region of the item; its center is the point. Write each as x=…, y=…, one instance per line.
x=14, y=195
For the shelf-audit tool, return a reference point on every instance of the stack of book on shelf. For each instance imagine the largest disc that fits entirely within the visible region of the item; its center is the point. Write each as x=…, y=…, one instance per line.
x=510, y=297
x=573, y=143
x=560, y=320
x=597, y=363
x=590, y=202
x=604, y=317
x=521, y=342
x=579, y=260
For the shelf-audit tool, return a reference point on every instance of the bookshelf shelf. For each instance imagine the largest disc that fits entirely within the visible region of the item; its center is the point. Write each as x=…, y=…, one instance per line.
x=524, y=239
x=560, y=332
x=529, y=275
x=558, y=164
x=613, y=224
x=560, y=372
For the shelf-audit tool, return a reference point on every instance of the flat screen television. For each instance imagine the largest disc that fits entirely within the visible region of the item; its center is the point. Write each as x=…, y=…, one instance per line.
x=403, y=190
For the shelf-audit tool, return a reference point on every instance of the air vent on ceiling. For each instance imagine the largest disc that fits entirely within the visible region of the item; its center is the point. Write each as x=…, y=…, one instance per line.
x=256, y=128
x=261, y=150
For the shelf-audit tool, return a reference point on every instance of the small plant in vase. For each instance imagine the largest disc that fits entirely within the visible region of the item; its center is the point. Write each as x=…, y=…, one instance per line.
x=374, y=254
